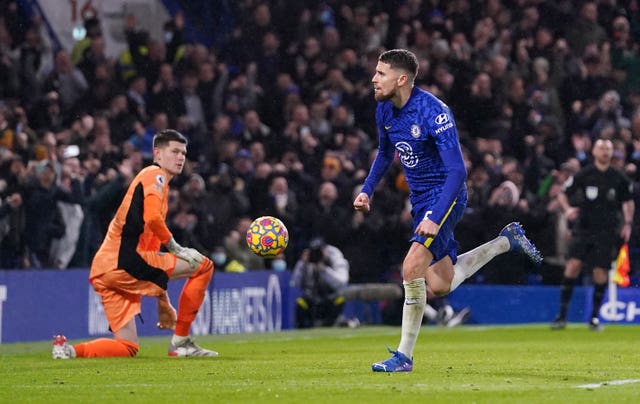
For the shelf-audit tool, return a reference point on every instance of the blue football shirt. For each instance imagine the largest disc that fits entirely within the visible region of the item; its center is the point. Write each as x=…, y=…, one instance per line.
x=423, y=133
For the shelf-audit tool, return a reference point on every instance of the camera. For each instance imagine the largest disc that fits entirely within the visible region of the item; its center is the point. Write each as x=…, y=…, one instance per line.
x=316, y=253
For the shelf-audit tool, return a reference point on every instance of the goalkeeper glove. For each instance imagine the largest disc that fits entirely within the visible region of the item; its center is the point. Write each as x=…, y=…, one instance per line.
x=191, y=255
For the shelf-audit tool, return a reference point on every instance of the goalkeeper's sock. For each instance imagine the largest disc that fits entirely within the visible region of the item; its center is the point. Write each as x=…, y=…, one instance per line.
x=192, y=297
x=415, y=293
x=106, y=348
x=470, y=262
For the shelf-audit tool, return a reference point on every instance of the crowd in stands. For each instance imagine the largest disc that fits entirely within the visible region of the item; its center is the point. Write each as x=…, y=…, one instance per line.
x=280, y=120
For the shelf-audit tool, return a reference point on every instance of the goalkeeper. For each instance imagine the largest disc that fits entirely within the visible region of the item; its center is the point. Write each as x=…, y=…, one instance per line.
x=129, y=264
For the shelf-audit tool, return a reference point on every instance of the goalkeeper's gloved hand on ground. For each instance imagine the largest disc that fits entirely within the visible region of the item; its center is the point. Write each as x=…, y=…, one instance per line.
x=191, y=255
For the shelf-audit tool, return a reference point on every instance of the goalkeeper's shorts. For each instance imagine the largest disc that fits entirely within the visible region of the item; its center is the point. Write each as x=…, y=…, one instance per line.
x=444, y=243
x=121, y=293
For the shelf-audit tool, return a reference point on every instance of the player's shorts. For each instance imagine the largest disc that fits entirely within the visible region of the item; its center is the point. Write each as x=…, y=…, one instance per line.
x=595, y=249
x=444, y=243
x=121, y=293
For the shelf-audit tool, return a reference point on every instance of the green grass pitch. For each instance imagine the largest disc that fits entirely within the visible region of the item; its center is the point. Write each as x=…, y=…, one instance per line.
x=470, y=364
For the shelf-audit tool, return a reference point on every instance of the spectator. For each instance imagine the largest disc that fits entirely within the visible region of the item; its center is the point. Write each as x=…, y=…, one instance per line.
x=321, y=274
x=92, y=57
x=281, y=201
x=67, y=80
x=35, y=57
x=138, y=97
x=212, y=79
x=11, y=222
x=194, y=108
x=63, y=248
x=120, y=118
x=185, y=221
x=585, y=30
x=146, y=55
x=165, y=95
x=9, y=76
x=326, y=217
x=235, y=244
x=43, y=220
x=142, y=138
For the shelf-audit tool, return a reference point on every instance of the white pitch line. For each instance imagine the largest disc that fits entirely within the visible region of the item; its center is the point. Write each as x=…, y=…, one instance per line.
x=611, y=383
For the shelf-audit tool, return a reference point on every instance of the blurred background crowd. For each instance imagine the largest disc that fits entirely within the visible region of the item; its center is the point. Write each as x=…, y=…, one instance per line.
x=279, y=112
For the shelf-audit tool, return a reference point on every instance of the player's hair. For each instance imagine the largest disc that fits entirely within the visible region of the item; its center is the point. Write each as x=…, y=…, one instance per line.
x=401, y=59
x=162, y=138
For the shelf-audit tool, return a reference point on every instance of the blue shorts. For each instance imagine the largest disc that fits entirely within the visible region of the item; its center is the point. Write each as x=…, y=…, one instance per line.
x=444, y=243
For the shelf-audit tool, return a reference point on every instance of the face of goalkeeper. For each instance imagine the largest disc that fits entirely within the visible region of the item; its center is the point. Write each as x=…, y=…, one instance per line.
x=171, y=157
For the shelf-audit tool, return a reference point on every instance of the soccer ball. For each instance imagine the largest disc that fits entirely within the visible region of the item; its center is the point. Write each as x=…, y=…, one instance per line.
x=267, y=236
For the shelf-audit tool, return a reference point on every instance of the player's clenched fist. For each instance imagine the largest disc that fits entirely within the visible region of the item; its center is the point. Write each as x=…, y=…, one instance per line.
x=361, y=203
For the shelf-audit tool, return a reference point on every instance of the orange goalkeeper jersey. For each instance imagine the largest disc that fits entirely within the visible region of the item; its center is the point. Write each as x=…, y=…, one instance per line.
x=137, y=229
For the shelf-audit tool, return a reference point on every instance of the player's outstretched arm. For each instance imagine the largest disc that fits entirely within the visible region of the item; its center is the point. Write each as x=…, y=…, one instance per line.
x=361, y=203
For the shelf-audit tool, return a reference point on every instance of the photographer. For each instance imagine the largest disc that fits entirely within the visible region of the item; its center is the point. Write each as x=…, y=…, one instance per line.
x=321, y=274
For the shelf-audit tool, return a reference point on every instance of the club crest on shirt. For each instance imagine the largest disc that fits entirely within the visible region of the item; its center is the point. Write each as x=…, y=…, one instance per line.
x=415, y=131
x=591, y=193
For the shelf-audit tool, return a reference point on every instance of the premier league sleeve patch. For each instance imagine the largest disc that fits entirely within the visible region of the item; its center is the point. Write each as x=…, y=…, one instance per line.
x=159, y=184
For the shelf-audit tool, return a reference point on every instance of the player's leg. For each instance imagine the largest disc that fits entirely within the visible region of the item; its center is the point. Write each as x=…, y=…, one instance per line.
x=414, y=271
x=510, y=238
x=125, y=344
x=193, y=292
x=470, y=262
x=97, y=348
x=191, y=299
x=434, y=308
x=120, y=307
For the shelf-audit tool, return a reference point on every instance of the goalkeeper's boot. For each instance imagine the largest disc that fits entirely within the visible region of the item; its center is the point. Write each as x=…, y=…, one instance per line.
x=188, y=348
x=559, y=323
x=61, y=348
x=519, y=242
x=594, y=324
x=397, y=363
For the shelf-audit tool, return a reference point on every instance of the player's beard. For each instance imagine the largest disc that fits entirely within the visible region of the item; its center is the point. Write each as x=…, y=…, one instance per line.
x=380, y=96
